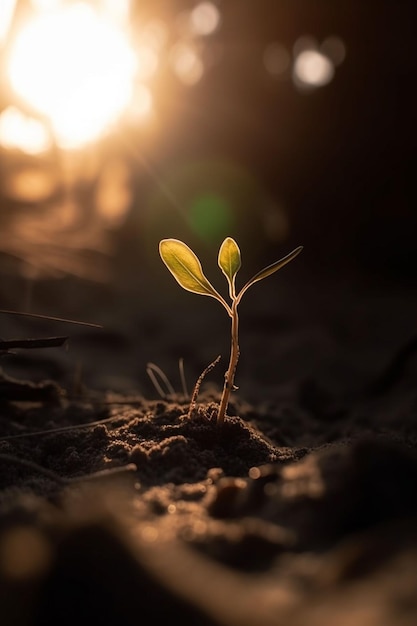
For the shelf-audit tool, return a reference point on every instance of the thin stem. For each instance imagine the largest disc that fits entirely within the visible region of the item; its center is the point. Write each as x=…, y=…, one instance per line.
x=198, y=385
x=224, y=303
x=230, y=374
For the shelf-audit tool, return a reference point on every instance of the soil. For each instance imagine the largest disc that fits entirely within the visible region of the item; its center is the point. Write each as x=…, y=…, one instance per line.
x=120, y=506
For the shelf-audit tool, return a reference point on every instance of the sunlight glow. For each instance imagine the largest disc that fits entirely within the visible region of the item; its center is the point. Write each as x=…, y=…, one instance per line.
x=116, y=10
x=76, y=69
x=7, y=8
x=30, y=184
x=155, y=34
x=47, y=5
x=313, y=69
x=142, y=102
x=20, y=132
x=113, y=193
x=147, y=62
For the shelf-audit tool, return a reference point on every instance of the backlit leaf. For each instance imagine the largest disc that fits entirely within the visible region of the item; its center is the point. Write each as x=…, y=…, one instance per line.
x=230, y=262
x=186, y=268
x=270, y=269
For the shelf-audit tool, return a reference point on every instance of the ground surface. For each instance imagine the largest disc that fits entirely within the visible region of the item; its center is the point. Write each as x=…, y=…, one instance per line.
x=117, y=507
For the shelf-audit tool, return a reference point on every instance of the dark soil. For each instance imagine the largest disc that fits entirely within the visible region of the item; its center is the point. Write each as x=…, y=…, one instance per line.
x=118, y=508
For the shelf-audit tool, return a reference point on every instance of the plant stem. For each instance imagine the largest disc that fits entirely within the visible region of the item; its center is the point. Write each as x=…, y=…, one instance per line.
x=230, y=374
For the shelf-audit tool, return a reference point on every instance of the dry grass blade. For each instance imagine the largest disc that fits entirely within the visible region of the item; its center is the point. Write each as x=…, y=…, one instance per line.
x=182, y=377
x=154, y=372
x=50, y=318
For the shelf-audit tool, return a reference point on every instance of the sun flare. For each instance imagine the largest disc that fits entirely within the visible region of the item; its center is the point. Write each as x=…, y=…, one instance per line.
x=76, y=69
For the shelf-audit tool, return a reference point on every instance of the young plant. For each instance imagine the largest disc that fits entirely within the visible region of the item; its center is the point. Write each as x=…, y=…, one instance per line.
x=186, y=268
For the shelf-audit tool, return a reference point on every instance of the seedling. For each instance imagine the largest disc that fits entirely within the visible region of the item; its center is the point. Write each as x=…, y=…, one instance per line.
x=186, y=268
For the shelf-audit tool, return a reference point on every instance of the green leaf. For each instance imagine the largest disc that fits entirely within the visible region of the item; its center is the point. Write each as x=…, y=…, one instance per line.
x=229, y=262
x=270, y=269
x=186, y=268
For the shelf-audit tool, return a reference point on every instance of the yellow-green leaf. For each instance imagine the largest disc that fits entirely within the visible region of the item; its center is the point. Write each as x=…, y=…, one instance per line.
x=186, y=267
x=230, y=262
x=270, y=269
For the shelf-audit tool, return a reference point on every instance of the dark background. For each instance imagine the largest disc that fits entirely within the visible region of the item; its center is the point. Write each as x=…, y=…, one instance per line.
x=332, y=169
x=339, y=159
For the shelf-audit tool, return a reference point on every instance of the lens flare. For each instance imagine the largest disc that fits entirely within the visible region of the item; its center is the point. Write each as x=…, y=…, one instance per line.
x=76, y=69
x=210, y=215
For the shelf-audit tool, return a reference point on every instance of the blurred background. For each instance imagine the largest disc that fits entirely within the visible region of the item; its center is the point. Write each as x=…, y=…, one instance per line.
x=278, y=122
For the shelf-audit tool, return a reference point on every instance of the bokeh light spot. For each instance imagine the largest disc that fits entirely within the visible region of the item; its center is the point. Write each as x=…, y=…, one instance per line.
x=186, y=63
x=313, y=69
x=210, y=216
x=30, y=184
x=205, y=19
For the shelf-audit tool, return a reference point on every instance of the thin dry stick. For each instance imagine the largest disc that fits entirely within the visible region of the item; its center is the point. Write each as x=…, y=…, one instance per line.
x=198, y=385
x=50, y=318
x=61, y=429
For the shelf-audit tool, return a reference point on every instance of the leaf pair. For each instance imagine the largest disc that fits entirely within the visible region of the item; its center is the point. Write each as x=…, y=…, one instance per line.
x=186, y=268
